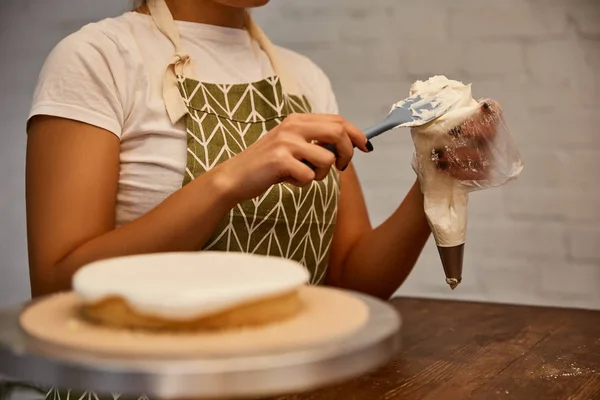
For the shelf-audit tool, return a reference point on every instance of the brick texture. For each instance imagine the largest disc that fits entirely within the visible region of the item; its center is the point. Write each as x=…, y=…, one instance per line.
x=535, y=241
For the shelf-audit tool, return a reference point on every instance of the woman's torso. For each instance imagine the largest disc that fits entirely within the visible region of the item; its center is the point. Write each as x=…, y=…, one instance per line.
x=110, y=74
x=119, y=64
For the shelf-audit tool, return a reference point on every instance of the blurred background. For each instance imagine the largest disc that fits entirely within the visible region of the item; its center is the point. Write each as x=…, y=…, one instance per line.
x=534, y=241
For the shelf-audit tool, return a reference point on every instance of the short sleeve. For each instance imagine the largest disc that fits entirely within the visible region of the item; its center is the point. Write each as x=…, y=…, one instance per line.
x=79, y=81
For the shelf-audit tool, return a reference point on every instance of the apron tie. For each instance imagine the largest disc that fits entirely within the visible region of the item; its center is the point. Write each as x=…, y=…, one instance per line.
x=174, y=102
x=287, y=83
x=181, y=63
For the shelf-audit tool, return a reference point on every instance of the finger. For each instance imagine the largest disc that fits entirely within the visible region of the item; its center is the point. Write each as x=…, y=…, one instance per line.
x=483, y=124
x=481, y=127
x=469, y=160
x=327, y=132
x=492, y=106
x=298, y=174
x=463, y=155
x=357, y=137
x=463, y=174
x=317, y=156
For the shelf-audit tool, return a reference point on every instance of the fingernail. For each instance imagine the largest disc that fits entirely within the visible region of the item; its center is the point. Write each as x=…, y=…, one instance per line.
x=369, y=146
x=345, y=166
x=455, y=131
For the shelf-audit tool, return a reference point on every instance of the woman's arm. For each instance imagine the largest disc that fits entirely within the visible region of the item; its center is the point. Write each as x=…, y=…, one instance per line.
x=72, y=180
x=72, y=177
x=375, y=261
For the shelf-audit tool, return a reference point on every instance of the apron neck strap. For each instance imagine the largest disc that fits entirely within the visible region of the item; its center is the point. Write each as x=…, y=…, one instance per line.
x=255, y=32
x=181, y=64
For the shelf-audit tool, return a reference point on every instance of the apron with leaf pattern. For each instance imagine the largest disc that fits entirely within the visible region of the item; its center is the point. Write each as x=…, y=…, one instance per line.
x=223, y=120
x=286, y=221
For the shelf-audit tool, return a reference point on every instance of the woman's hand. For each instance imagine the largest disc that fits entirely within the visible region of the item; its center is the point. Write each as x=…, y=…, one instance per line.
x=277, y=156
x=470, y=156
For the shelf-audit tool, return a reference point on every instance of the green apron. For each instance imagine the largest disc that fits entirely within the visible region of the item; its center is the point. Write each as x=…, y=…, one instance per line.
x=286, y=221
x=222, y=120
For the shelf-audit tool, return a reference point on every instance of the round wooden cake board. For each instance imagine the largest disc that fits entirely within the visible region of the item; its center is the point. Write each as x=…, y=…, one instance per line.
x=326, y=315
x=338, y=336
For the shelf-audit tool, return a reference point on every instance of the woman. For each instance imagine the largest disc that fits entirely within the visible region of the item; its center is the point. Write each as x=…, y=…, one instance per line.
x=180, y=127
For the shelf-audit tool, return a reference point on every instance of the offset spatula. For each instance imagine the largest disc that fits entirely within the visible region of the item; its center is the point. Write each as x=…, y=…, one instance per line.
x=413, y=111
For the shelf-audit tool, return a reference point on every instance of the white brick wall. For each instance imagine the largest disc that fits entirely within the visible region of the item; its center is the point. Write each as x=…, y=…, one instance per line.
x=535, y=241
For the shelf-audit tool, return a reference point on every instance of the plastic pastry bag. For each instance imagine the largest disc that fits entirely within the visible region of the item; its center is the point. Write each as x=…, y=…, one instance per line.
x=469, y=148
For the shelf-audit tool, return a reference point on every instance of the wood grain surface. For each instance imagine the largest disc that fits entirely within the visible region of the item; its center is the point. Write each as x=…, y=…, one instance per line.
x=461, y=350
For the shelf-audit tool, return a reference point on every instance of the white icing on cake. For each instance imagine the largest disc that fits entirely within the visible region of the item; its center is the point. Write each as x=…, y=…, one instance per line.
x=188, y=285
x=445, y=198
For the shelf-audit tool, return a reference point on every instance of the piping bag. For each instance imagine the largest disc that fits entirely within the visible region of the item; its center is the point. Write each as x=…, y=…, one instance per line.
x=461, y=145
x=466, y=149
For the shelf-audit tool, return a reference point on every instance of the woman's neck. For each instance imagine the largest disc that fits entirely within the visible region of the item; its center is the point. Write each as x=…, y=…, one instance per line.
x=204, y=11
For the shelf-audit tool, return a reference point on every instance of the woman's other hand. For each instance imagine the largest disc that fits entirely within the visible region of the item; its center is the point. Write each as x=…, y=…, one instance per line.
x=470, y=156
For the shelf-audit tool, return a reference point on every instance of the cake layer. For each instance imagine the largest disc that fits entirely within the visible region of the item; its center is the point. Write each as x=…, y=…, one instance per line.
x=185, y=286
x=115, y=312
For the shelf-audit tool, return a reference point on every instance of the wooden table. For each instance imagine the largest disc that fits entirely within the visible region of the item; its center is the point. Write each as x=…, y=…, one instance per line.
x=459, y=350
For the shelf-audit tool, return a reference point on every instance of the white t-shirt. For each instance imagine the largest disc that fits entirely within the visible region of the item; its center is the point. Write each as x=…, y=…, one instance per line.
x=109, y=74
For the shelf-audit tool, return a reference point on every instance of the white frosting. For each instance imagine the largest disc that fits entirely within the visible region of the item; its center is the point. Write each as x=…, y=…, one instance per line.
x=445, y=197
x=188, y=285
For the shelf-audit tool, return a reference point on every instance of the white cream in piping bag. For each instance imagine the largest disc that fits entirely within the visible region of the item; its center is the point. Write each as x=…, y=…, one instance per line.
x=445, y=197
x=440, y=95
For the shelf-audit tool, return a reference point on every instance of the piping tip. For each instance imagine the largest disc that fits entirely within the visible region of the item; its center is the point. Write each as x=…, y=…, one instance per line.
x=452, y=282
x=452, y=261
